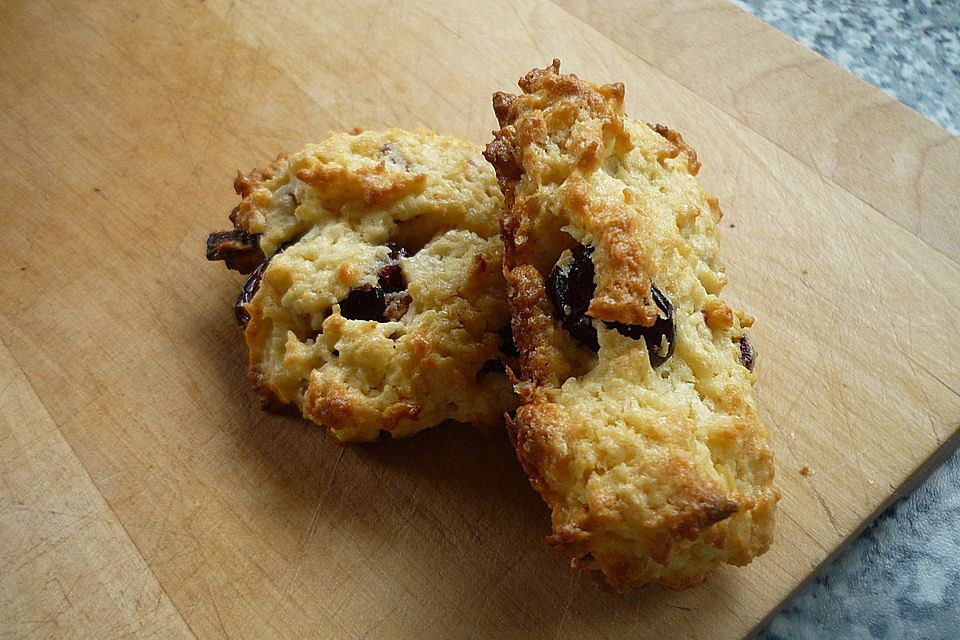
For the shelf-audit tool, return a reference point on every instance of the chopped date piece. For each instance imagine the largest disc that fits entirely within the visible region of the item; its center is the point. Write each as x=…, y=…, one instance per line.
x=748, y=355
x=571, y=288
x=238, y=249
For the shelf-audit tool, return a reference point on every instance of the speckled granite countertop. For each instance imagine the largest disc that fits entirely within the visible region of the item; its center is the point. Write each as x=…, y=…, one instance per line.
x=901, y=577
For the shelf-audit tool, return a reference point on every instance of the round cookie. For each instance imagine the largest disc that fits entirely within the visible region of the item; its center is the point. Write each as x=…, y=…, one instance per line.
x=376, y=300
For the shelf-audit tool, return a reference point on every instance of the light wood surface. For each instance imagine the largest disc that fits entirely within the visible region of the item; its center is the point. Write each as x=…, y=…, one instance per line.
x=144, y=491
x=68, y=564
x=879, y=150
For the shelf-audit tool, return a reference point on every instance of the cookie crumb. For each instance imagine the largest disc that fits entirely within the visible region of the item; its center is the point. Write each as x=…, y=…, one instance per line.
x=733, y=226
x=805, y=471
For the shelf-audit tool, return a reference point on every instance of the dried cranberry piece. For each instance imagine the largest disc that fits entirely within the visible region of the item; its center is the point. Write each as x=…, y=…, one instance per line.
x=654, y=334
x=390, y=278
x=384, y=302
x=246, y=294
x=507, y=345
x=570, y=288
x=492, y=366
x=251, y=285
x=748, y=355
x=364, y=303
x=396, y=251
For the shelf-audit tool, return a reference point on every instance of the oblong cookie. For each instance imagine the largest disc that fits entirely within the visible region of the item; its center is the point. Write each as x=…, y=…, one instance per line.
x=637, y=422
x=377, y=301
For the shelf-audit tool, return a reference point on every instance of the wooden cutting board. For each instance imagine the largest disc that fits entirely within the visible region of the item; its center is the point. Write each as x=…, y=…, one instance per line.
x=144, y=491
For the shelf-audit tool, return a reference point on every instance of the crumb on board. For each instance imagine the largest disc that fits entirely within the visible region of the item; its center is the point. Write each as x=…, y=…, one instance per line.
x=805, y=470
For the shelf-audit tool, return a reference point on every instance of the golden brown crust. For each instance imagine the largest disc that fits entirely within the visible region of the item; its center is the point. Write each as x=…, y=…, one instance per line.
x=245, y=183
x=718, y=315
x=651, y=474
x=550, y=101
x=370, y=185
x=544, y=362
x=677, y=140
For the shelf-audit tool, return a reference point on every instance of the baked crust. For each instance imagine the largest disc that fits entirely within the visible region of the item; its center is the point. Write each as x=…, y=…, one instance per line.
x=651, y=474
x=329, y=219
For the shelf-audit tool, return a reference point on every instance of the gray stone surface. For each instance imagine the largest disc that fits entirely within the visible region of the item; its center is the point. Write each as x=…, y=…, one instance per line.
x=901, y=577
x=909, y=49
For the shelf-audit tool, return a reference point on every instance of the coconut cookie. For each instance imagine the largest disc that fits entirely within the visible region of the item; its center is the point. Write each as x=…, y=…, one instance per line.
x=376, y=300
x=637, y=422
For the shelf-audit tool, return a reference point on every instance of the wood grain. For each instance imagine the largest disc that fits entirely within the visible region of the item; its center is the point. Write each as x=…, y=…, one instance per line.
x=121, y=134
x=69, y=567
x=883, y=152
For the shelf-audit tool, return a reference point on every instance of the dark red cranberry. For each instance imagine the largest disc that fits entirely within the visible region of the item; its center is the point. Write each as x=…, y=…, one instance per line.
x=507, y=346
x=654, y=334
x=246, y=294
x=493, y=365
x=748, y=355
x=390, y=278
x=251, y=285
x=571, y=288
x=365, y=303
x=396, y=251
x=384, y=301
